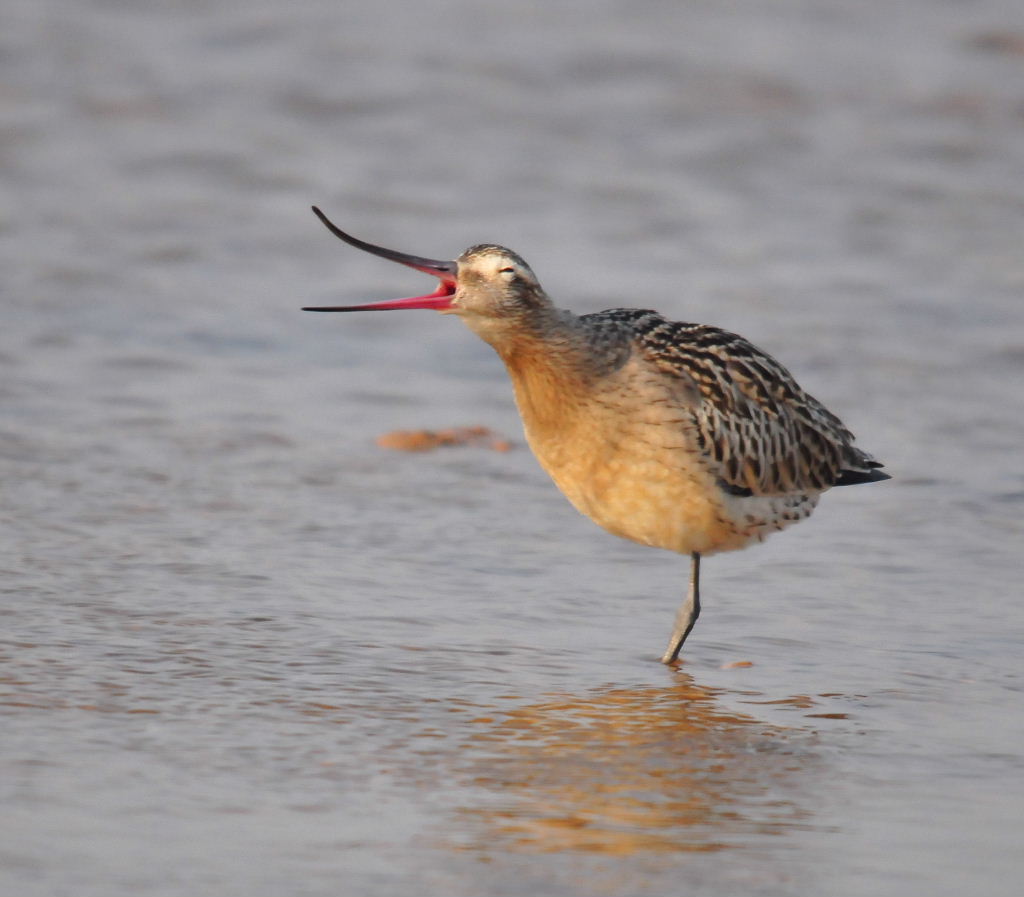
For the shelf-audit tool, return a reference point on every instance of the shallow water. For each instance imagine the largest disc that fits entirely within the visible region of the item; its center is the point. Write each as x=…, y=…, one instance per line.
x=245, y=651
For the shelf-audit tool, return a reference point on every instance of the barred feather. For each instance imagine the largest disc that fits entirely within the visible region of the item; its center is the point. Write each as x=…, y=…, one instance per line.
x=765, y=434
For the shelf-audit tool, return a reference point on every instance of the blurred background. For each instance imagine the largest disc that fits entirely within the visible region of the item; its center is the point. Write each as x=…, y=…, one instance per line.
x=247, y=651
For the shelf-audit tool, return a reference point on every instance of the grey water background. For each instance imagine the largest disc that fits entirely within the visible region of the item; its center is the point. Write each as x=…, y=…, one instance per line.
x=245, y=651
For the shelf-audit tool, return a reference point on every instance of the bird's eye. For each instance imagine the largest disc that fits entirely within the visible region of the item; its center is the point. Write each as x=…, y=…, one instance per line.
x=507, y=270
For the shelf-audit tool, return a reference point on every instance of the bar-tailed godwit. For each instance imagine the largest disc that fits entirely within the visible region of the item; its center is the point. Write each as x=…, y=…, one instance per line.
x=679, y=436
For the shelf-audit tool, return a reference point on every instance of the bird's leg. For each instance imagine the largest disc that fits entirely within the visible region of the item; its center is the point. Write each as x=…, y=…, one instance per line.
x=687, y=614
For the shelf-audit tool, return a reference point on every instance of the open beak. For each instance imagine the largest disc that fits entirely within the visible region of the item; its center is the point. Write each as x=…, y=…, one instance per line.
x=446, y=272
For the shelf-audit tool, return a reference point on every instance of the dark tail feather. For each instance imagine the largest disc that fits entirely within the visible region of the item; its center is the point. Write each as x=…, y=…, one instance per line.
x=852, y=477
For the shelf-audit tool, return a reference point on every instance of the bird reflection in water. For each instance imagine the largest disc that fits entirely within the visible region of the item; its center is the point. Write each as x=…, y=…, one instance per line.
x=625, y=770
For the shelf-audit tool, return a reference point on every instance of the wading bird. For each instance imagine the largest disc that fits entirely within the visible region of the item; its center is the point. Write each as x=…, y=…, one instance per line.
x=679, y=436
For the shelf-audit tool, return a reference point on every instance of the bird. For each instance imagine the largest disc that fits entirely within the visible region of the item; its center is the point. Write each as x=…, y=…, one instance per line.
x=675, y=435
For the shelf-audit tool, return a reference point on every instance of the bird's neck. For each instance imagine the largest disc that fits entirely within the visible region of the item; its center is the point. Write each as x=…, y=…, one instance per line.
x=551, y=367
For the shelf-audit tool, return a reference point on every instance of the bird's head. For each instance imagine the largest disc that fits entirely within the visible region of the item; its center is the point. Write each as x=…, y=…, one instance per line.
x=489, y=287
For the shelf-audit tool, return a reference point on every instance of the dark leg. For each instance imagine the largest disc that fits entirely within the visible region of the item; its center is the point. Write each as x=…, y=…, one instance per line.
x=687, y=614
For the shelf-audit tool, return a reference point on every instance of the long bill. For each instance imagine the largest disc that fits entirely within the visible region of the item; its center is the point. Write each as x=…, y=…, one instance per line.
x=445, y=272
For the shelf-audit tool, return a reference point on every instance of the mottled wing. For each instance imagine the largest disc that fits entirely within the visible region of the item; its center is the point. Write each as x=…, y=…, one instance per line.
x=765, y=435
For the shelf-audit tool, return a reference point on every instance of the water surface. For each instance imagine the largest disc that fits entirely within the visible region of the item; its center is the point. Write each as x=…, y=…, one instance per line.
x=245, y=651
